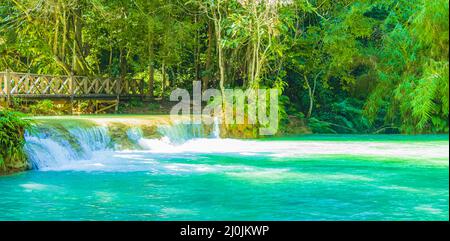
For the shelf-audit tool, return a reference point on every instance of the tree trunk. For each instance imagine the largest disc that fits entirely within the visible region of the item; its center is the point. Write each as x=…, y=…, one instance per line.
x=221, y=61
x=197, y=51
x=311, y=93
x=151, y=68
x=62, y=55
x=123, y=64
x=311, y=97
x=110, y=59
x=207, y=76
x=151, y=79
x=163, y=72
x=56, y=32
x=77, y=41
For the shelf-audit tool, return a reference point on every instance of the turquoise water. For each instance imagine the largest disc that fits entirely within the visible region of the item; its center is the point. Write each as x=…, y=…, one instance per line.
x=345, y=177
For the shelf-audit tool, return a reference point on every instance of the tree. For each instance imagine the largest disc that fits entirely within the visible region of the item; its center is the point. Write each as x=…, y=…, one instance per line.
x=413, y=69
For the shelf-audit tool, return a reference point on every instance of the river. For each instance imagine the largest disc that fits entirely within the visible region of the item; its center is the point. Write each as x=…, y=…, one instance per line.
x=187, y=175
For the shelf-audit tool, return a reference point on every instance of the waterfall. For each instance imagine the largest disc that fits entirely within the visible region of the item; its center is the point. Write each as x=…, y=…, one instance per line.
x=179, y=133
x=216, y=130
x=48, y=146
x=134, y=134
x=92, y=139
x=46, y=152
x=63, y=142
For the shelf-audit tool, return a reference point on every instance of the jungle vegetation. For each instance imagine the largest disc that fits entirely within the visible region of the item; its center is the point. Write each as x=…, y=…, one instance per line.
x=12, y=155
x=346, y=66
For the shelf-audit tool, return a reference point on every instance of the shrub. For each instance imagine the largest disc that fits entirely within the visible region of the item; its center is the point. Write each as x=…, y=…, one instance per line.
x=12, y=129
x=45, y=107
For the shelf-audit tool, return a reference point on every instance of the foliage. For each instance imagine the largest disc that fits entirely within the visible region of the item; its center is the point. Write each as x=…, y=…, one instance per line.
x=413, y=76
x=344, y=117
x=137, y=106
x=13, y=126
x=347, y=66
x=44, y=107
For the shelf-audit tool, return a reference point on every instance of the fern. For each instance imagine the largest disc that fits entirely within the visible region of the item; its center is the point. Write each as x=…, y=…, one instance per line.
x=426, y=93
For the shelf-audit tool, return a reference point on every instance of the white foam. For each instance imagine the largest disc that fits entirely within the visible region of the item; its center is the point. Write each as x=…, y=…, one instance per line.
x=155, y=151
x=285, y=149
x=428, y=209
x=34, y=186
x=262, y=175
x=87, y=149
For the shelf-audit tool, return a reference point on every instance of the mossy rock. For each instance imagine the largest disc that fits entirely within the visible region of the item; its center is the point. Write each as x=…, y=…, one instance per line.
x=119, y=136
x=295, y=126
x=60, y=131
x=150, y=131
x=13, y=165
x=242, y=131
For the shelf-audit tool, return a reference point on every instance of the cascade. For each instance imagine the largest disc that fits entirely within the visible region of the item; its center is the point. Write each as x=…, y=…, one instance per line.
x=46, y=147
x=216, y=130
x=57, y=143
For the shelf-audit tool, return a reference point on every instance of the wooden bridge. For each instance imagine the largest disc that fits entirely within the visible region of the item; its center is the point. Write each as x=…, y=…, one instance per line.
x=70, y=87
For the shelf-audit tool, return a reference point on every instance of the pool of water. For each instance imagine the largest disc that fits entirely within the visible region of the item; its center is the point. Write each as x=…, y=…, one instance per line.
x=346, y=177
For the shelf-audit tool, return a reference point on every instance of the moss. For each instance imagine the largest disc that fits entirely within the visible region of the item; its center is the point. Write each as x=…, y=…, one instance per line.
x=150, y=131
x=58, y=131
x=244, y=131
x=118, y=135
x=294, y=126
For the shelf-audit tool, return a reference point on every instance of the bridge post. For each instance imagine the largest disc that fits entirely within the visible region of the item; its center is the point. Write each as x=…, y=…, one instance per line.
x=71, y=92
x=118, y=90
x=7, y=84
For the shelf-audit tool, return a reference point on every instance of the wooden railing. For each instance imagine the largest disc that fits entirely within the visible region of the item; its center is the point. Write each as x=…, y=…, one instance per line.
x=26, y=85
